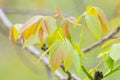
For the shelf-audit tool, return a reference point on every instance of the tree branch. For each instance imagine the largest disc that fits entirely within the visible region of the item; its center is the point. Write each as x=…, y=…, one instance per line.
x=110, y=35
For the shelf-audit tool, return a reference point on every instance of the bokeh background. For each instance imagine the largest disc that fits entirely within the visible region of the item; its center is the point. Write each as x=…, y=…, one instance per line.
x=18, y=64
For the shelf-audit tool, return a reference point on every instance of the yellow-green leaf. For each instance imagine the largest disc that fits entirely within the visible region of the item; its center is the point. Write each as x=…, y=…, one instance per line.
x=90, y=10
x=30, y=27
x=114, y=52
x=94, y=25
x=108, y=42
x=68, y=54
x=33, y=39
x=57, y=57
x=103, y=20
x=76, y=61
x=14, y=32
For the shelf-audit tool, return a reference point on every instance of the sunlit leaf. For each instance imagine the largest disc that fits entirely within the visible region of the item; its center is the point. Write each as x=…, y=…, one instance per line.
x=108, y=62
x=58, y=12
x=114, y=53
x=94, y=25
x=104, y=52
x=30, y=27
x=108, y=42
x=78, y=21
x=66, y=30
x=103, y=20
x=41, y=35
x=52, y=24
x=76, y=61
x=91, y=10
x=14, y=32
x=68, y=54
x=45, y=27
x=33, y=39
x=79, y=51
x=100, y=14
x=30, y=22
x=57, y=58
x=73, y=21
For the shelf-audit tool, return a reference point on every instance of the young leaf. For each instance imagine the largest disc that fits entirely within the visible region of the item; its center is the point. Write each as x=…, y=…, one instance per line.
x=79, y=51
x=76, y=61
x=94, y=25
x=30, y=27
x=58, y=12
x=111, y=41
x=73, y=20
x=68, y=54
x=33, y=39
x=114, y=53
x=103, y=20
x=108, y=62
x=45, y=27
x=52, y=24
x=13, y=35
x=78, y=21
x=57, y=57
x=30, y=22
x=90, y=10
x=41, y=35
x=66, y=30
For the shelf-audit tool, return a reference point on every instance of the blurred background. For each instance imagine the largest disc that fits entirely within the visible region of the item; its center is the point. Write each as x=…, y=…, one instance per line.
x=18, y=64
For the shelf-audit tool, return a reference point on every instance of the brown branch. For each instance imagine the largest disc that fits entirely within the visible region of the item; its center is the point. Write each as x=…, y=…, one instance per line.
x=110, y=35
x=36, y=52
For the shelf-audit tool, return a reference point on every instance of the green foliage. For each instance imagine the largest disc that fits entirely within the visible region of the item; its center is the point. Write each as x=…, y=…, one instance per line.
x=108, y=62
x=54, y=32
x=94, y=25
x=114, y=52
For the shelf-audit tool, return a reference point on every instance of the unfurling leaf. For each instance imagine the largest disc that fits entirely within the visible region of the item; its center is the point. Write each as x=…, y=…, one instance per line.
x=45, y=27
x=68, y=54
x=52, y=24
x=76, y=61
x=94, y=25
x=115, y=52
x=58, y=12
x=73, y=21
x=41, y=35
x=63, y=53
x=30, y=27
x=56, y=58
x=103, y=20
x=66, y=30
x=79, y=51
x=108, y=42
x=33, y=39
x=13, y=35
x=91, y=10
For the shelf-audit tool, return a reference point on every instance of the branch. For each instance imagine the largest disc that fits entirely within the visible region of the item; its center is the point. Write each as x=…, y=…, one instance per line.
x=36, y=52
x=110, y=35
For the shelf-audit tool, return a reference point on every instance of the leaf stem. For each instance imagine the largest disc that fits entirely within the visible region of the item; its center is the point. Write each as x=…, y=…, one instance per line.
x=82, y=33
x=46, y=52
x=111, y=71
x=61, y=35
x=86, y=72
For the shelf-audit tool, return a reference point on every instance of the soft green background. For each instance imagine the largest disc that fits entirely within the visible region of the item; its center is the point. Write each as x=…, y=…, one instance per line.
x=18, y=64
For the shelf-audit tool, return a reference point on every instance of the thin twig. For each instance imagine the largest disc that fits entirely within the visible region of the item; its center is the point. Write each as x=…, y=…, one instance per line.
x=110, y=35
